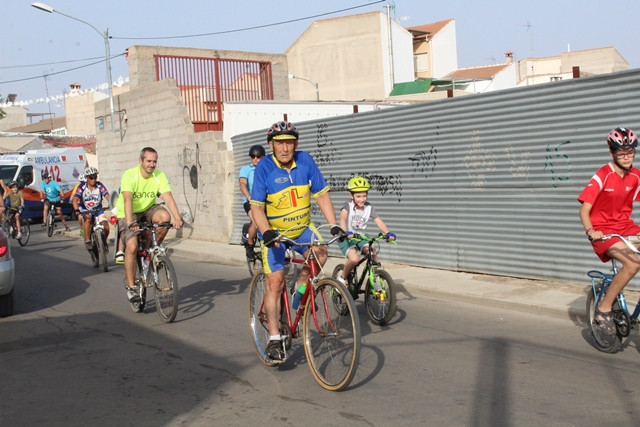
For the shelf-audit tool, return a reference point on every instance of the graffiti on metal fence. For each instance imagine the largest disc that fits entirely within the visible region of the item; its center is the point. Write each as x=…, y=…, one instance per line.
x=519, y=163
x=324, y=153
x=479, y=162
x=382, y=184
x=424, y=162
x=558, y=164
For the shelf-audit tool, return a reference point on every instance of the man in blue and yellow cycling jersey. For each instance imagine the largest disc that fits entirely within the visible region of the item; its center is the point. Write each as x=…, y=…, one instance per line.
x=281, y=203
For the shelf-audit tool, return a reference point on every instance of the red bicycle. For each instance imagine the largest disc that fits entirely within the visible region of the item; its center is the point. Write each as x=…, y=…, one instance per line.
x=330, y=325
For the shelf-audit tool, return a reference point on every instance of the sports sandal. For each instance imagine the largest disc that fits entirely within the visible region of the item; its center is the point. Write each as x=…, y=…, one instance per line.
x=605, y=321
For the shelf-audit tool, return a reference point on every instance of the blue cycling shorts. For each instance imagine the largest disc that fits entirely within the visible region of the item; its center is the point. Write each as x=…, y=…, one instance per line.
x=273, y=259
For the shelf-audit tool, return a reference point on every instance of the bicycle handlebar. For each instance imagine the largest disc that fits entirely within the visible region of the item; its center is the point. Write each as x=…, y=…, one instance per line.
x=149, y=226
x=283, y=238
x=359, y=236
x=624, y=240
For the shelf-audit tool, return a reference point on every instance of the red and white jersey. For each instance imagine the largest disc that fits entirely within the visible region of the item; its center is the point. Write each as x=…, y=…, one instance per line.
x=612, y=197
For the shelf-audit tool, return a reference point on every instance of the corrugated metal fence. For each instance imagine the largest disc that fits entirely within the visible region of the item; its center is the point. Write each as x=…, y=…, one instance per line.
x=483, y=183
x=207, y=83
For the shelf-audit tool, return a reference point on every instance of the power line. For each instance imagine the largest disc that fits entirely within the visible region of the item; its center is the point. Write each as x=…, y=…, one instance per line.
x=58, y=72
x=248, y=28
x=5, y=67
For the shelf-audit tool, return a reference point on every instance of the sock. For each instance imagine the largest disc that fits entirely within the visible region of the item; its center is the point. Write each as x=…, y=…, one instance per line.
x=274, y=337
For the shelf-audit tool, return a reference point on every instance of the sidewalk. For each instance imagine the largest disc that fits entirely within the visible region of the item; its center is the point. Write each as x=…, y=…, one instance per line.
x=535, y=296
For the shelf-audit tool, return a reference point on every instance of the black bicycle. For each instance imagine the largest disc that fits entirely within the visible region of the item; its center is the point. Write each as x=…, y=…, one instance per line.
x=156, y=271
x=50, y=221
x=374, y=282
x=99, y=246
x=9, y=227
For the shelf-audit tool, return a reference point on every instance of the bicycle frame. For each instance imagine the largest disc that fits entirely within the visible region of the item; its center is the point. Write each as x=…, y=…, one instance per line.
x=368, y=269
x=604, y=280
x=307, y=298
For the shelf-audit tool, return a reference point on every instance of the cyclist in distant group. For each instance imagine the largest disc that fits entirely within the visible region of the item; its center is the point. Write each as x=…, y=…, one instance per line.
x=354, y=216
x=256, y=152
x=52, y=195
x=15, y=206
x=281, y=203
x=87, y=202
x=607, y=202
x=139, y=188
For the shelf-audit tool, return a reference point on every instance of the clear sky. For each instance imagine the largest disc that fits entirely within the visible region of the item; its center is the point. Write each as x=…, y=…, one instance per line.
x=35, y=44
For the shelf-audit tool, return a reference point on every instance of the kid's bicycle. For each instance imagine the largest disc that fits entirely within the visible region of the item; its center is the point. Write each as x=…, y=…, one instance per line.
x=624, y=320
x=10, y=228
x=375, y=283
x=330, y=324
x=156, y=271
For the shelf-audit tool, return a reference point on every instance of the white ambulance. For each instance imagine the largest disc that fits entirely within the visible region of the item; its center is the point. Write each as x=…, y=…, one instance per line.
x=26, y=167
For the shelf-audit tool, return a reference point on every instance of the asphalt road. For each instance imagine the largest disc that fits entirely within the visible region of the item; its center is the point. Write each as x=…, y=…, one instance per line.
x=75, y=355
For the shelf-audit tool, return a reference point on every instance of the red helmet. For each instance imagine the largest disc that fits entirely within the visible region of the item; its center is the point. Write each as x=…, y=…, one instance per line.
x=621, y=138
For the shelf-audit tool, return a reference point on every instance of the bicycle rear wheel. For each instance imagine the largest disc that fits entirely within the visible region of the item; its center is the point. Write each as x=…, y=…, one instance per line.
x=258, y=318
x=166, y=288
x=102, y=250
x=95, y=255
x=380, y=302
x=604, y=343
x=331, y=337
x=140, y=281
x=25, y=229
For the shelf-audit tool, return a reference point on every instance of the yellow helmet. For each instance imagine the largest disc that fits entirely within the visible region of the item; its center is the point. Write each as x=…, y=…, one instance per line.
x=358, y=184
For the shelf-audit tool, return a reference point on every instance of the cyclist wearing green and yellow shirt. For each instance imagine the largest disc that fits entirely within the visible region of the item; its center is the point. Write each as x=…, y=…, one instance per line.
x=139, y=188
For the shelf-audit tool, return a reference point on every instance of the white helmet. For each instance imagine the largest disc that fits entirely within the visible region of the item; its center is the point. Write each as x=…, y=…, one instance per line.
x=90, y=171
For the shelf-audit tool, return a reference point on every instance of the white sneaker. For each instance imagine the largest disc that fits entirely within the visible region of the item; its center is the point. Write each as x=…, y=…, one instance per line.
x=19, y=236
x=343, y=281
x=132, y=295
x=119, y=257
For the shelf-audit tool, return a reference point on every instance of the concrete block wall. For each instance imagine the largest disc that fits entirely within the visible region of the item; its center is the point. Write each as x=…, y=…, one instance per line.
x=198, y=165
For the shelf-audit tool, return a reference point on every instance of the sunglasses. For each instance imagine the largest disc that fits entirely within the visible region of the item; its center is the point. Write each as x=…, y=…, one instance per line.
x=92, y=176
x=257, y=157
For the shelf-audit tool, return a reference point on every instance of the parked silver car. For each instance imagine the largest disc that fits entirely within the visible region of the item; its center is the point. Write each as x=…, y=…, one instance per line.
x=7, y=274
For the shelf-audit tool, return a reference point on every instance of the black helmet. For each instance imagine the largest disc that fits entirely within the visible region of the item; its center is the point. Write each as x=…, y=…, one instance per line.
x=622, y=137
x=257, y=150
x=45, y=175
x=12, y=184
x=282, y=130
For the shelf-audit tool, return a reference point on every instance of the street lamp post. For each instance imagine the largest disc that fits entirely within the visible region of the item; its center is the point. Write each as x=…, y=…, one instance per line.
x=105, y=36
x=291, y=76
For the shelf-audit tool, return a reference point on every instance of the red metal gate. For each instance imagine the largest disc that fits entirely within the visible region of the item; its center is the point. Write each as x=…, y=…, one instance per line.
x=206, y=83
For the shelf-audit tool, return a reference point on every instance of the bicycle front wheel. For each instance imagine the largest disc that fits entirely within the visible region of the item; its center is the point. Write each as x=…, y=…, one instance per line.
x=25, y=230
x=102, y=250
x=50, y=223
x=380, y=301
x=331, y=335
x=6, y=226
x=603, y=342
x=166, y=288
x=258, y=317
